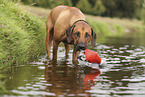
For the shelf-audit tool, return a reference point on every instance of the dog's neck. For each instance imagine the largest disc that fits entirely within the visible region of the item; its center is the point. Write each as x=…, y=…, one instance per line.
x=78, y=21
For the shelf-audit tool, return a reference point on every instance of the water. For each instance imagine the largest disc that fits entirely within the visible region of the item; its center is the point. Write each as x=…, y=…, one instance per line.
x=124, y=74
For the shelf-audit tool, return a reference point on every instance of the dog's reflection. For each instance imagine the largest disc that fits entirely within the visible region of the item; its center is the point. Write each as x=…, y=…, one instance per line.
x=67, y=80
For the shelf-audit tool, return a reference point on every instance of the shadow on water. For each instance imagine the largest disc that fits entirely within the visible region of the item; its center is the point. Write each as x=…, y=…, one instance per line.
x=124, y=74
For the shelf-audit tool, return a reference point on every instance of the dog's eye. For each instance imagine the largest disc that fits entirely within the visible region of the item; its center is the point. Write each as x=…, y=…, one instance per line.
x=87, y=35
x=77, y=34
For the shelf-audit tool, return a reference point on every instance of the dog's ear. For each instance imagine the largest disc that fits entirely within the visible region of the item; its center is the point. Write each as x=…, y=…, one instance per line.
x=69, y=32
x=94, y=37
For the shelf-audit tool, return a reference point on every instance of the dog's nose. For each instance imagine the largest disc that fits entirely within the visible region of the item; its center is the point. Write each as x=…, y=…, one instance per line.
x=82, y=46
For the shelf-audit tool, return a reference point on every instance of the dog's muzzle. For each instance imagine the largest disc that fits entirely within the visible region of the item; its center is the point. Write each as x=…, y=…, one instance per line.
x=80, y=46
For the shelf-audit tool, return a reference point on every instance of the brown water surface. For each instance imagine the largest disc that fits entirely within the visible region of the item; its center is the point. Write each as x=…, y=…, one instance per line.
x=123, y=75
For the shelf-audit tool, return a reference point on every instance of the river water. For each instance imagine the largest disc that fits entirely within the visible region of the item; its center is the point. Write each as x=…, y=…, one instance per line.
x=122, y=76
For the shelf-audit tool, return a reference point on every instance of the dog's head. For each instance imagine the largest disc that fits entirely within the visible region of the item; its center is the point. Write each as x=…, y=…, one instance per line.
x=80, y=34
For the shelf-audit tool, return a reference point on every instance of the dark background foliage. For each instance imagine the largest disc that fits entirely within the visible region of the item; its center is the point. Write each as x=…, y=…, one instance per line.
x=110, y=8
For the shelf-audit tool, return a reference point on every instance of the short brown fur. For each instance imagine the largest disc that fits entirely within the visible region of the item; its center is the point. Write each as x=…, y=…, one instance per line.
x=60, y=27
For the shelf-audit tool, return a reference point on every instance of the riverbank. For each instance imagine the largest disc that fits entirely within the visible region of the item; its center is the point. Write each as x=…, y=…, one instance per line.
x=22, y=35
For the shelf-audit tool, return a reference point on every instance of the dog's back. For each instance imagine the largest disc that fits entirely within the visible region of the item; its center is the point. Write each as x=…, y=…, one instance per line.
x=61, y=13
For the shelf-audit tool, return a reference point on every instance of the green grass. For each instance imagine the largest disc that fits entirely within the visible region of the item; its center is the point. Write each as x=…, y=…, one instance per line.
x=98, y=26
x=22, y=35
x=114, y=26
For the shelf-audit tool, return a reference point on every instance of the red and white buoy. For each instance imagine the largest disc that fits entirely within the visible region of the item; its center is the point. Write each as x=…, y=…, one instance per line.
x=92, y=56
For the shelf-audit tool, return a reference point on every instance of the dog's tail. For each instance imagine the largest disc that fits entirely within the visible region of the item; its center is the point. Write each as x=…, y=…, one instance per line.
x=50, y=32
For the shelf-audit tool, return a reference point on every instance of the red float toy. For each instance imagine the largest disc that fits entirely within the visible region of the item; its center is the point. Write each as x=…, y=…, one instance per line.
x=92, y=56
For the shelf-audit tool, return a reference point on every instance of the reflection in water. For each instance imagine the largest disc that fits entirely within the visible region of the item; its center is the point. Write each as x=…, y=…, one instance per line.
x=89, y=78
x=69, y=81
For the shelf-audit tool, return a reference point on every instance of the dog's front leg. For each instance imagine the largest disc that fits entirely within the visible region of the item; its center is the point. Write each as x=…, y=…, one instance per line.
x=67, y=48
x=55, y=48
x=75, y=54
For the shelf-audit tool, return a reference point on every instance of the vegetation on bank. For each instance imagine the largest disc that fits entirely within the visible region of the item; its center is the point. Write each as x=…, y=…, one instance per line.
x=114, y=26
x=21, y=35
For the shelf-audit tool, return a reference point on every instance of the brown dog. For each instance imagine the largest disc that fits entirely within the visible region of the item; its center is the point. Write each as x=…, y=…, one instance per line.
x=67, y=24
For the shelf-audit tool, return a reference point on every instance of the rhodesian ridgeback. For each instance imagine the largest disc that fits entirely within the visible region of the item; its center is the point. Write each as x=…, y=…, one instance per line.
x=67, y=24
